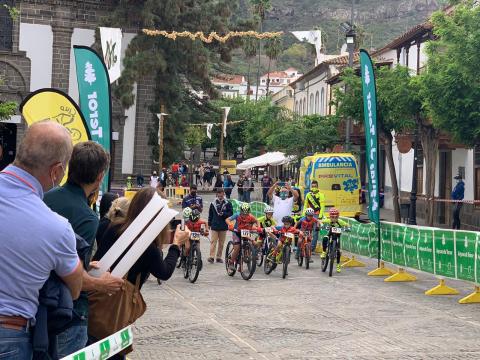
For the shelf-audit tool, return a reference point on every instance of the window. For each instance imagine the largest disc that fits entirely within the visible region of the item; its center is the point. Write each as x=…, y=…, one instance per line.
x=6, y=26
x=419, y=169
x=477, y=172
x=316, y=103
x=322, y=102
x=304, y=112
x=296, y=106
x=300, y=109
x=311, y=104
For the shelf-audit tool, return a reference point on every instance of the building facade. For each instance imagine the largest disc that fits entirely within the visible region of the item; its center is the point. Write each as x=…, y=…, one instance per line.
x=36, y=52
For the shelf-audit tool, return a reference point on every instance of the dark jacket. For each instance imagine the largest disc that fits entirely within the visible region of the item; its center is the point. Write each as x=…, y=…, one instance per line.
x=55, y=312
x=217, y=216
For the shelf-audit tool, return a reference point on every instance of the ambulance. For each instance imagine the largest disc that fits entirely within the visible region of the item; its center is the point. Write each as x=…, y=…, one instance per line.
x=338, y=179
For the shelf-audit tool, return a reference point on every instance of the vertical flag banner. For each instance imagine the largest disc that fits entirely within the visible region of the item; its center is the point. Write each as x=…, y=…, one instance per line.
x=55, y=105
x=111, y=39
x=370, y=123
x=94, y=97
x=209, y=130
x=225, y=116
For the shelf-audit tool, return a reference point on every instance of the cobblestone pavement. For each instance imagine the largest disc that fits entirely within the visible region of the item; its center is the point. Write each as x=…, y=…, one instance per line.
x=306, y=316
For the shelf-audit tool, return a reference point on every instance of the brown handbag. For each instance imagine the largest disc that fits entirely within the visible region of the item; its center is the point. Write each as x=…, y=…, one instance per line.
x=109, y=314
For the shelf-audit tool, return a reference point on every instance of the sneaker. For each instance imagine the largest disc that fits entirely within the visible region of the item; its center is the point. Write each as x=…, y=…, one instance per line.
x=220, y=261
x=323, y=255
x=339, y=268
x=210, y=260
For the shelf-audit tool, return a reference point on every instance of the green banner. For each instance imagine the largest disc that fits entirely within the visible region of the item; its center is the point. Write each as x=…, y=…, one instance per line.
x=370, y=124
x=465, y=253
x=95, y=99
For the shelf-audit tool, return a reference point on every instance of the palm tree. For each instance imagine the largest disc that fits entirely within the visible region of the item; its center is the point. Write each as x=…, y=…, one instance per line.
x=273, y=48
x=250, y=50
x=260, y=7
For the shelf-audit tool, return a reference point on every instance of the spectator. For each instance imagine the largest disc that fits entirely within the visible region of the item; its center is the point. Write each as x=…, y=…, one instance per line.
x=28, y=254
x=240, y=184
x=154, y=180
x=106, y=203
x=220, y=209
x=86, y=169
x=117, y=211
x=228, y=185
x=201, y=174
x=150, y=262
x=218, y=183
x=192, y=200
x=267, y=183
x=297, y=204
x=458, y=194
x=164, y=177
x=282, y=204
x=248, y=188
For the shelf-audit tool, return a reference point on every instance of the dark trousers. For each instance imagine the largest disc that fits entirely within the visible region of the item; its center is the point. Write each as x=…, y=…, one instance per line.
x=456, y=215
x=265, y=196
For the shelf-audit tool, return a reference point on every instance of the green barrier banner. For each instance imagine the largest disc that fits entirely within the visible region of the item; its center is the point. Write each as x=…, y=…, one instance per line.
x=105, y=348
x=444, y=245
x=465, y=255
x=442, y=252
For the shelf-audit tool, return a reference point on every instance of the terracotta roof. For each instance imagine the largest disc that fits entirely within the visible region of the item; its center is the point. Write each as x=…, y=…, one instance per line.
x=229, y=79
x=278, y=74
x=342, y=60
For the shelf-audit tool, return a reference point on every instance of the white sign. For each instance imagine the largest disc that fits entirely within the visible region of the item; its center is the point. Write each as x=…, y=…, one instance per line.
x=313, y=37
x=111, y=46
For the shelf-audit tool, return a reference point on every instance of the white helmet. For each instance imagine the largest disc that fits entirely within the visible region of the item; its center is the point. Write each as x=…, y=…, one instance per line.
x=268, y=210
x=309, y=212
x=187, y=212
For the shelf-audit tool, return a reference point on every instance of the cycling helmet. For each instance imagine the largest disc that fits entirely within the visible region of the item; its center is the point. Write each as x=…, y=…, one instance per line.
x=187, y=212
x=334, y=212
x=309, y=212
x=245, y=208
x=268, y=210
x=195, y=215
x=287, y=219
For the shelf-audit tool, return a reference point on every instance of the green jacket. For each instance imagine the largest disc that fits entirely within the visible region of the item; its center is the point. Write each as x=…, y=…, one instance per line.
x=316, y=202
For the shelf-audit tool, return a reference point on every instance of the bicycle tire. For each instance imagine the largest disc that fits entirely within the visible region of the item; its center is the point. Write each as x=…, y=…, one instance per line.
x=186, y=266
x=325, y=262
x=300, y=257
x=195, y=264
x=308, y=256
x=259, y=257
x=285, y=260
x=249, y=256
x=269, y=265
x=332, y=252
x=228, y=253
x=180, y=258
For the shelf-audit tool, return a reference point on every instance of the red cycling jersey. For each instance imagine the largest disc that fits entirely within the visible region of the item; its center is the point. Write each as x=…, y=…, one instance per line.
x=307, y=225
x=196, y=226
x=245, y=222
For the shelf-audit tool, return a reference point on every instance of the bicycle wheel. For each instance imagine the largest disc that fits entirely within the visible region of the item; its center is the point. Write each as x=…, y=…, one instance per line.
x=180, y=258
x=228, y=255
x=269, y=264
x=249, y=255
x=331, y=253
x=187, y=262
x=325, y=262
x=195, y=264
x=308, y=255
x=259, y=258
x=285, y=260
x=300, y=257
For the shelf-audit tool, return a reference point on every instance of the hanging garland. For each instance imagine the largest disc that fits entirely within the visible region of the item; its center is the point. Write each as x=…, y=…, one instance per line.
x=219, y=124
x=212, y=36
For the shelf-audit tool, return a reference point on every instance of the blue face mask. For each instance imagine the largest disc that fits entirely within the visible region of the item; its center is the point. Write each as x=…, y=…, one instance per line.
x=283, y=195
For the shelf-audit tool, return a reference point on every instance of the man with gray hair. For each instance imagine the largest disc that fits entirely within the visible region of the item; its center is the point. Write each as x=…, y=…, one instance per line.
x=34, y=241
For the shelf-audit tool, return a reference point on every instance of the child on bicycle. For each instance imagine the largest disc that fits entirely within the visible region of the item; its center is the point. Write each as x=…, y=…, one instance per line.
x=307, y=225
x=333, y=221
x=288, y=227
x=266, y=221
x=240, y=221
x=194, y=224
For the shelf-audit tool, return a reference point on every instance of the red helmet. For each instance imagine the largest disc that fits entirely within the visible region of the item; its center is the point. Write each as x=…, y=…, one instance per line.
x=334, y=212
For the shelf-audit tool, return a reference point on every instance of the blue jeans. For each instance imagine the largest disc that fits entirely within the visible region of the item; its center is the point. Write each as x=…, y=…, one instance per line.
x=72, y=340
x=15, y=344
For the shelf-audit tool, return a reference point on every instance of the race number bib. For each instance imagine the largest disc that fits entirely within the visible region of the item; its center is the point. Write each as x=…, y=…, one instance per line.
x=290, y=235
x=245, y=233
x=336, y=230
x=195, y=236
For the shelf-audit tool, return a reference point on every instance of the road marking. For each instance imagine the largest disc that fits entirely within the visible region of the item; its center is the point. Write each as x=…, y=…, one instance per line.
x=223, y=327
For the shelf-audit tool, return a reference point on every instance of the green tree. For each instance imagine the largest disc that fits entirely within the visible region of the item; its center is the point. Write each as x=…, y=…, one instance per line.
x=273, y=48
x=397, y=105
x=260, y=8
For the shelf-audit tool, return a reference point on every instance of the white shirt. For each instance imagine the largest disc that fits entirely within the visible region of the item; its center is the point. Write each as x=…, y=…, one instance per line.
x=153, y=181
x=281, y=208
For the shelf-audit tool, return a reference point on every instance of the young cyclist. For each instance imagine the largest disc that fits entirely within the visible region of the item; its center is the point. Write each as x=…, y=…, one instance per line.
x=306, y=224
x=288, y=227
x=333, y=221
x=266, y=221
x=316, y=201
x=194, y=224
x=242, y=221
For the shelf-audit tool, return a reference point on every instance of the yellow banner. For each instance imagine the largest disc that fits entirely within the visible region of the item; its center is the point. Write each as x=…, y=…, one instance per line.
x=52, y=104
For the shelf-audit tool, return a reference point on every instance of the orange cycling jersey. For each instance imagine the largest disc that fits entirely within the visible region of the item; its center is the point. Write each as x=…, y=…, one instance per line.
x=196, y=226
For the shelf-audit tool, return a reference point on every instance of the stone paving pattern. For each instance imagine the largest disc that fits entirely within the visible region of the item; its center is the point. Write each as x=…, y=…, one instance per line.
x=306, y=316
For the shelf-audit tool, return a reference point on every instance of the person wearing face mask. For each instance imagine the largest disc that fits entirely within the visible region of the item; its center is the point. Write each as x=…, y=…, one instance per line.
x=458, y=194
x=316, y=201
x=192, y=200
x=219, y=210
x=282, y=204
x=34, y=240
x=86, y=169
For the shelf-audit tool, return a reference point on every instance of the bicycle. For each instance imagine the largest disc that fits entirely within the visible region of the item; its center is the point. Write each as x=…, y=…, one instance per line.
x=305, y=250
x=269, y=246
x=288, y=238
x=333, y=249
x=246, y=260
x=192, y=263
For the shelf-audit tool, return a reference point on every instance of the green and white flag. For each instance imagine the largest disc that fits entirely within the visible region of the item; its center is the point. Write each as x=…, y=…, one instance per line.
x=371, y=133
x=111, y=39
x=95, y=99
